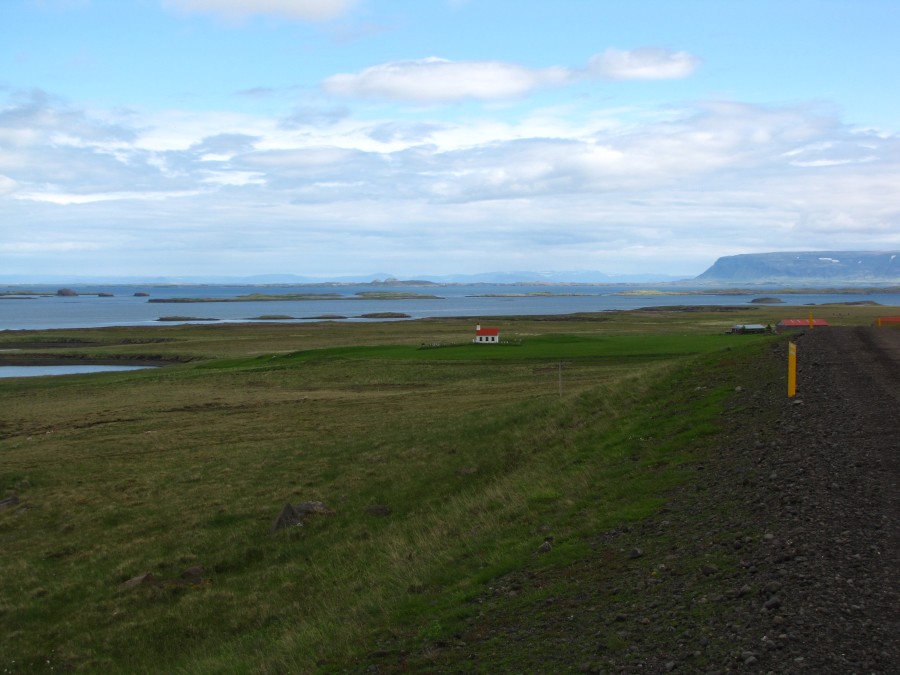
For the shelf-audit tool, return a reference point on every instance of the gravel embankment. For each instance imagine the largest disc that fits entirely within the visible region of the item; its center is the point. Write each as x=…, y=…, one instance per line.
x=815, y=481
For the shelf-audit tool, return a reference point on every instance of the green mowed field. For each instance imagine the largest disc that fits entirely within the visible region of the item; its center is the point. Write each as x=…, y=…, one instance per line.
x=142, y=538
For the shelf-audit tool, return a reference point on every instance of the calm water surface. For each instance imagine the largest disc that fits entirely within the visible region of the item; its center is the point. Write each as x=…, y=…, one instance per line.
x=89, y=310
x=38, y=371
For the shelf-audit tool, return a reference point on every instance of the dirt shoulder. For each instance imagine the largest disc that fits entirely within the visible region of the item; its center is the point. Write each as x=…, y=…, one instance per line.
x=780, y=555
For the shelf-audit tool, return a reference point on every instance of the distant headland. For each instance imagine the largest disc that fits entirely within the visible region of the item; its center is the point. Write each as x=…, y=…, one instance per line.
x=794, y=268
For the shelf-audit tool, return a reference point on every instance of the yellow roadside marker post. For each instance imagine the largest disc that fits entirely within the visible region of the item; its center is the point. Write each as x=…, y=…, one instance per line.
x=792, y=369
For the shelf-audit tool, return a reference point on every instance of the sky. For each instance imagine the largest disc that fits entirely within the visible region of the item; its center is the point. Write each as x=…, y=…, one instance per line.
x=329, y=138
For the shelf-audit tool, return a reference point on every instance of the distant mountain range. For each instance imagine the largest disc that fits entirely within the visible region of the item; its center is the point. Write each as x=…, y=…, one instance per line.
x=809, y=268
x=584, y=277
x=805, y=268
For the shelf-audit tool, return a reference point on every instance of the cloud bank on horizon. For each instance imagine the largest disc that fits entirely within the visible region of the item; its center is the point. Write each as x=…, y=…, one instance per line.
x=337, y=137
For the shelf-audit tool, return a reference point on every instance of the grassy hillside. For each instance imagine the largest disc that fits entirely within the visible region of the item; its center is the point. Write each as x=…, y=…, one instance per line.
x=441, y=468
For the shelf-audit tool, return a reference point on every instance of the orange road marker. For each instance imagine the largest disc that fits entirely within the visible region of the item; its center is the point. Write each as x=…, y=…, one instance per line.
x=792, y=369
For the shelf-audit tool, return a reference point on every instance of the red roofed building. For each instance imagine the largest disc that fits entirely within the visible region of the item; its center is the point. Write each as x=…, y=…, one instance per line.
x=486, y=336
x=799, y=324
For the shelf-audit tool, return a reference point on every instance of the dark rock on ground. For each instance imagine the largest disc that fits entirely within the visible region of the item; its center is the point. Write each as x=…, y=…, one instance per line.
x=194, y=574
x=9, y=501
x=147, y=579
x=292, y=516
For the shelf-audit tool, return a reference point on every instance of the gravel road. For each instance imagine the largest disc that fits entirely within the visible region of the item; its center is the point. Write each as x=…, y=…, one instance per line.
x=819, y=591
x=781, y=554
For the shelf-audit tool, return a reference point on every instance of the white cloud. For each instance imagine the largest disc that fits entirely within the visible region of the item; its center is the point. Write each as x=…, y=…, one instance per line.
x=434, y=80
x=42, y=247
x=647, y=63
x=833, y=162
x=66, y=199
x=7, y=185
x=303, y=10
x=233, y=178
x=834, y=153
x=438, y=80
x=559, y=183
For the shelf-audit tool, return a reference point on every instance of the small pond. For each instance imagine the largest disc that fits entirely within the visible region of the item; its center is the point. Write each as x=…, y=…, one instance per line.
x=37, y=371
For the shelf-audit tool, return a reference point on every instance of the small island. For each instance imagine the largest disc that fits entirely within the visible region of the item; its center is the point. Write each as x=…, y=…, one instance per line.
x=186, y=318
x=535, y=294
x=395, y=295
x=294, y=297
x=255, y=297
x=384, y=315
x=640, y=292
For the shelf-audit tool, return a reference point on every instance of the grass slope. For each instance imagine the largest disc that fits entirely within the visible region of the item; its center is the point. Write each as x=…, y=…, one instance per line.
x=473, y=456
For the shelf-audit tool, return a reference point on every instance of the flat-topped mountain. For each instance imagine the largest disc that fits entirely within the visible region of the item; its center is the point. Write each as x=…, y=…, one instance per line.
x=807, y=267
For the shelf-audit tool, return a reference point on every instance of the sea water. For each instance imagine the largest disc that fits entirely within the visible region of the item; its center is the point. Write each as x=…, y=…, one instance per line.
x=38, y=371
x=123, y=308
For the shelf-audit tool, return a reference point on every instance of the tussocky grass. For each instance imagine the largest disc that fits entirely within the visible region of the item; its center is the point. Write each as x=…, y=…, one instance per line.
x=479, y=454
